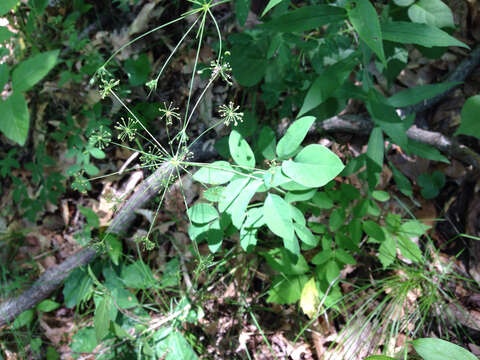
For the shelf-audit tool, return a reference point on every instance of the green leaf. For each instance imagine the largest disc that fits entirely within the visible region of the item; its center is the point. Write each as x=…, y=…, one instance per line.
x=114, y=247
x=286, y=290
x=96, y=153
x=375, y=155
x=306, y=18
x=426, y=151
x=470, y=124
x=409, y=249
x=15, y=119
x=332, y=270
x=248, y=63
x=431, y=184
x=278, y=216
x=77, y=287
x=84, y=341
x=403, y=3
x=314, y=166
x=344, y=257
x=381, y=196
x=4, y=74
x=138, y=70
x=242, y=8
x=431, y=12
x=294, y=136
x=419, y=34
x=5, y=34
x=438, y=349
x=202, y=213
x=280, y=259
x=327, y=83
x=414, y=228
x=305, y=235
x=32, y=70
x=266, y=143
x=364, y=19
x=101, y=318
x=48, y=305
x=174, y=347
x=238, y=206
x=271, y=4
x=138, y=276
x=337, y=218
x=216, y=173
x=6, y=6
x=241, y=152
x=387, y=251
x=24, y=319
x=214, y=193
x=418, y=94
x=387, y=118
x=373, y=230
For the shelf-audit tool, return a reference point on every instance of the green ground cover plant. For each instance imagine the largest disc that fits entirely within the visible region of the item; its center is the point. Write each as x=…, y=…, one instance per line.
x=292, y=202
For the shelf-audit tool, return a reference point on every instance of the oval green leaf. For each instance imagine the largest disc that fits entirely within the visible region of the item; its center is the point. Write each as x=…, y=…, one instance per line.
x=241, y=152
x=431, y=12
x=32, y=70
x=294, y=136
x=314, y=166
x=278, y=217
x=15, y=118
x=202, y=213
x=437, y=349
x=216, y=173
x=470, y=124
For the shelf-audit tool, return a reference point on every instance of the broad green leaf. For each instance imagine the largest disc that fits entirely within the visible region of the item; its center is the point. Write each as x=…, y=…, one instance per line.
x=32, y=70
x=431, y=184
x=214, y=193
x=202, y=213
x=386, y=117
x=373, y=230
x=266, y=143
x=336, y=220
x=286, y=290
x=431, y=12
x=15, y=119
x=48, y=305
x=231, y=192
x=381, y=196
x=254, y=218
x=305, y=234
x=97, y=153
x=124, y=298
x=374, y=159
x=174, y=347
x=327, y=83
x=438, y=349
x=248, y=238
x=5, y=34
x=138, y=276
x=403, y=3
x=426, y=151
x=418, y=94
x=409, y=249
x=300, y=195
x=419, y=34
x=414, y=228
x=387, y=251
x=114, y=247
x=401, y=181
x=138, y=70
x=306, y=18
x=77, y=287
x=280, y=259
x=314, y=166
x=238, y=207
x=470, y=124
x=294, y=136
x=364, y=19
x=278, y=216
x=241, y=152
x=248, y=63
x=332, y=270
x=24, y=319
x=7, y=5
x=344, y=257
x=101, y=318
x=271, y=4
x=242, y=8
x=84, y=341
x=322, y=200
x=310, y=298
x=216, y=173
x=4, y=74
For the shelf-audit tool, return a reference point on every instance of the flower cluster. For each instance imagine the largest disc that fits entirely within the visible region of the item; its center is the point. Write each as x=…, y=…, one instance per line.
x=229, y=114
x=169, y=113
x=126, y=130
